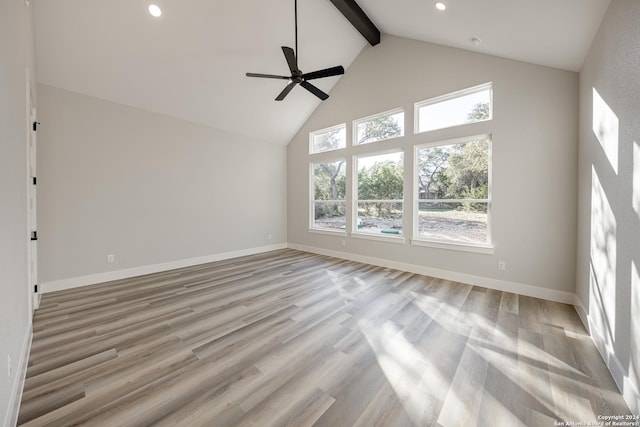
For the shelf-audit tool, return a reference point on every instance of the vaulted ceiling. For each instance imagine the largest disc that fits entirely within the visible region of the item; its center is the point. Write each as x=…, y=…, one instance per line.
x=191, y=62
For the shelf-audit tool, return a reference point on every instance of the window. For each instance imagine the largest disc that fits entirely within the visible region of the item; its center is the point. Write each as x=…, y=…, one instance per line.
x=379, y=127
x=328, y=204
x=379, y=201
x=332, y=138
x=453, y=188
x=466, y=106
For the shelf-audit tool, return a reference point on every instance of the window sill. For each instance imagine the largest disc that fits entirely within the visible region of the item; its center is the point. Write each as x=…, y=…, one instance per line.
x=464, y=247
x=327, y=232
x=380, y=238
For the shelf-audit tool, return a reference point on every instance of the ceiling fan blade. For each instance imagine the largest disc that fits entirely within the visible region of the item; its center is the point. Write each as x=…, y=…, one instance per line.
x=314, y=90
x=290, y=56
x=327, y=72
x=267, y=76
x=286, y=91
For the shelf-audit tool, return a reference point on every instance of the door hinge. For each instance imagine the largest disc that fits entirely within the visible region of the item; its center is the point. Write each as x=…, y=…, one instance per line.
x=35, y=125
x=34, y=235
x=34, y=180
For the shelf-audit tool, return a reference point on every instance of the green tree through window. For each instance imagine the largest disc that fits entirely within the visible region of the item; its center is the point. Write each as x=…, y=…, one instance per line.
x=329, y=182
x=379, y=128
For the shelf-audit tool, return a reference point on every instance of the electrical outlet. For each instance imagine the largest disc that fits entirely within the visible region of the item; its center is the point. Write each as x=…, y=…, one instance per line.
x=502, y=265
x=9, y=364
x=111, y=258
x=269, y=237
x=344, y=242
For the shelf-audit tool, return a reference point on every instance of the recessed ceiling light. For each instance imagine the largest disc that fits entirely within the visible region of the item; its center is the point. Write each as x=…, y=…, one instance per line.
x=155, y=10
x=441, y=6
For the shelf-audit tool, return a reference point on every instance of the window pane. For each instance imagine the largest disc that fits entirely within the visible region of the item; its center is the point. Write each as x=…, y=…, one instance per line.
x=380, y=128
x=329, y=180
x=380, y=193
x=453, y=192
x=329, y=215
x=468, y=108
x=330, y=139
x=456, y=171
x=457, y=222
x=329, y=190
x=380, y=217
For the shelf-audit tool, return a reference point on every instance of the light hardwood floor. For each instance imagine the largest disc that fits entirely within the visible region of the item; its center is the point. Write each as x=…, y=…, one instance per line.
x=289, y=338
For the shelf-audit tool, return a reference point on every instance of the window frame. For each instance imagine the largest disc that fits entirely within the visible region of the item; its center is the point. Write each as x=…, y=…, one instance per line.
x=312, y=199
x=486, y=248
x=355, y=198
x=447, y=97
x=392, y=112
x=326, y=130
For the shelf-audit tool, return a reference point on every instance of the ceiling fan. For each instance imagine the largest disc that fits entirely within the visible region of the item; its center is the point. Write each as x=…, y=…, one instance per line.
x=297, y=76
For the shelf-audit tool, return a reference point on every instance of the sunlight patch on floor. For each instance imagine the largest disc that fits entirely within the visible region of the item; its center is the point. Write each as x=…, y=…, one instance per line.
x=409, y=373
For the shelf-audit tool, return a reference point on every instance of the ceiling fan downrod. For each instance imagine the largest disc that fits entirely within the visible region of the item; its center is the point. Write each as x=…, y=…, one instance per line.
x=297, y=76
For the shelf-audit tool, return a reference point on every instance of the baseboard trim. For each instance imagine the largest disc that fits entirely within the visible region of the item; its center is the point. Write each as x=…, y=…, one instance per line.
x=631, y=395
x=607, y=354
x=609, y=358
x=582, y=313
x=11, y=417
x=36, y=300
x=487, y=282
x=625, y=384
x=92, y=279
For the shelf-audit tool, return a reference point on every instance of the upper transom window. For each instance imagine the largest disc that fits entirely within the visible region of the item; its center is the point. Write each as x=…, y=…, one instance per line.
x=379, y=127
x=332, y=138
x=465, y=106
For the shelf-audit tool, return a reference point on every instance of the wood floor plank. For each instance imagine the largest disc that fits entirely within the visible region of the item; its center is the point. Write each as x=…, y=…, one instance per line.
x=289, y=338
x=384, y=410
x=461, y=406
x=353, y=398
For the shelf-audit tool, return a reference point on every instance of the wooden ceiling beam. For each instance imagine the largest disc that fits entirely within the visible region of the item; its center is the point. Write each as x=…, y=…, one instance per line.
x=359, y=19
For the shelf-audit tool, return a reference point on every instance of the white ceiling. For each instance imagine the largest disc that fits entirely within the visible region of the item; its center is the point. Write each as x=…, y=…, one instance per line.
x=190, y=63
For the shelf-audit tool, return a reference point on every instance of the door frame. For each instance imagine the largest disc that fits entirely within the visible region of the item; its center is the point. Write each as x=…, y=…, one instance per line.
x=32, y=242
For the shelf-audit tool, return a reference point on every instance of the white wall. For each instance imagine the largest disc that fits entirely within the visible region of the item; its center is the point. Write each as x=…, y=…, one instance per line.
x=608, y=268
x=16, y=53
x=534, y=161
x=147, y=188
